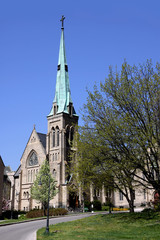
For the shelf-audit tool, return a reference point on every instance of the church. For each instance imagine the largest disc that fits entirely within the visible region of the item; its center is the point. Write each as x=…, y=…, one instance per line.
x=53, y=146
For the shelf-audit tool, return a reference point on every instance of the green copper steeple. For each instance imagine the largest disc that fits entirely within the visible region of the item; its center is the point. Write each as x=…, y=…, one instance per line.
x=62, y=97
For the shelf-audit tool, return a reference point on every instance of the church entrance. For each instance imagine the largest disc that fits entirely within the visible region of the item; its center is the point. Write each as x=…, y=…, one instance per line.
x=73, y=200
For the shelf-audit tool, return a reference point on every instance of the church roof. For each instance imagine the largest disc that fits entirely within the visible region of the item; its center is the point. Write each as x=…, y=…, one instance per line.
x=17, y=172
x=62, y=93
x=2, y=161
x=42, y=138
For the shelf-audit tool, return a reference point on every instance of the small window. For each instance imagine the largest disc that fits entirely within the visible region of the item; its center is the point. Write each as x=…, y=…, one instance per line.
x=27, y=195
x=53, y=138
x=24, y=194
x=29, y=176
x=66, y=68
x=54, y=110
x=72, y=133
x=120, y=196
x=57, y=136
x=54, y=173
x=67, y=136
x=33, y=174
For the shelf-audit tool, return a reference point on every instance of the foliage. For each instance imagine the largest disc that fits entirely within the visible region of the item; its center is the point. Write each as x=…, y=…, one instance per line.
x=120, y=209
x=40, y=192
x=40, y=213
x=120, y=139
x=10, y=214
x=108, y=226
x=97, y=206
x=22, y=217
x=105, y=208
x=5, y=204
x=87, y=204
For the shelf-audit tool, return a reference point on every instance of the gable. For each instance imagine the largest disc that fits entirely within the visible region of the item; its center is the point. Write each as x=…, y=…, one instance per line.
x=37, y=143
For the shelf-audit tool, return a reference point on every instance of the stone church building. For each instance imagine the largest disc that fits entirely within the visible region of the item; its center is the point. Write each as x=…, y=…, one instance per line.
x=54, y=145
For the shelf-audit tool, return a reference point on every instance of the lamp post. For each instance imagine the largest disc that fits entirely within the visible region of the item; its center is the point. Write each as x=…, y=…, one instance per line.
x=40, y=183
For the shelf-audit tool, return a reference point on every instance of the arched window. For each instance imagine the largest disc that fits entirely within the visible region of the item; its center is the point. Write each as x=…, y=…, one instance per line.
x=29, y=176
x=72, y=134
x=67, y=136
x=27, y=195
x=54, y=110
x=57, y=130
x=53, y=137
x=54, y=173
x=33, y=159
x=24, y=194
x=33, y=174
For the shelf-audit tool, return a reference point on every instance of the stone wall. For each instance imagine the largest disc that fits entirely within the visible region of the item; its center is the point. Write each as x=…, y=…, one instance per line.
x=1, y=183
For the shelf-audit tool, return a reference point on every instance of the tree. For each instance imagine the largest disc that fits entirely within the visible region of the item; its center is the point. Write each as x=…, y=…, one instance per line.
x=125, y=117
x=97, y=165
x=40, y=192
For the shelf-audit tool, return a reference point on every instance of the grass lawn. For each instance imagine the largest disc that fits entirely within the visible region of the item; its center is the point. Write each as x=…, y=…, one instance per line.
x=142, y=226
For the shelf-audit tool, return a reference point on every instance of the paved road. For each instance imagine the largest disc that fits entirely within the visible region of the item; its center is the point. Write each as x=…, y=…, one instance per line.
x=27, y=231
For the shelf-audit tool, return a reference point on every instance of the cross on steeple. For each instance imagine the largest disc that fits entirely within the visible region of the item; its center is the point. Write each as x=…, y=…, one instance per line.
x=62, y=20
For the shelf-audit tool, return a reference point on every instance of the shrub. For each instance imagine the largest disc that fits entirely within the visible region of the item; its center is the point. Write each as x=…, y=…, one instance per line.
x=7, y=214
x=22, y=217
x=105, y=208
x=87, y=204
x=120, y=209
x=40, y=212
x=148, y=210
x=97, y=205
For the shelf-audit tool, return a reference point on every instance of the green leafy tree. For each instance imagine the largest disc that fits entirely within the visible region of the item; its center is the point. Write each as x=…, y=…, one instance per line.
x=40, y=192
x=96, y=165
x=122, y=128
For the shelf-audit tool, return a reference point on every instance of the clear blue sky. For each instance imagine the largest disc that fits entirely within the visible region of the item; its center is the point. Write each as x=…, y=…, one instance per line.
x=97, y=34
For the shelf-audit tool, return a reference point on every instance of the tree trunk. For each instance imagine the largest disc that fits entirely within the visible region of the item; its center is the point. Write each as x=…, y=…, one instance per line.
x=131, y=206
x=131, y=201
x=44, y=209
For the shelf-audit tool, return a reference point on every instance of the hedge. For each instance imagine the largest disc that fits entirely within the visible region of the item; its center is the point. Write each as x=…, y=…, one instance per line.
x=40, y=212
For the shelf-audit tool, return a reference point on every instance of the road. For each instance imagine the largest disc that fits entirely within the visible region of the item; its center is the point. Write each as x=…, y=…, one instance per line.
x=27, y=230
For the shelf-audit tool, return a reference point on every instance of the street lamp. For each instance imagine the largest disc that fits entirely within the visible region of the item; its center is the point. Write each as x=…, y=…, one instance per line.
x=40, y=183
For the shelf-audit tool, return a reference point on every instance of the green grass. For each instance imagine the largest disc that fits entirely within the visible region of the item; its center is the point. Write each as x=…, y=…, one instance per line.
x=139, y=226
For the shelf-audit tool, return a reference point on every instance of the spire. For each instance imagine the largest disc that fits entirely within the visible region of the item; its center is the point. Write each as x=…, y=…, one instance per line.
x=62, y=94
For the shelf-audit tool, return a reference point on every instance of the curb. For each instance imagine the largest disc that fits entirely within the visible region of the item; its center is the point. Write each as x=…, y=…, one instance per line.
x=38, y=219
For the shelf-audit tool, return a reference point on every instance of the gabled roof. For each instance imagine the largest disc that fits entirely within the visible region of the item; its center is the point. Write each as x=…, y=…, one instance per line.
x=17, y=172
x=2, y=161
x=42, y=138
